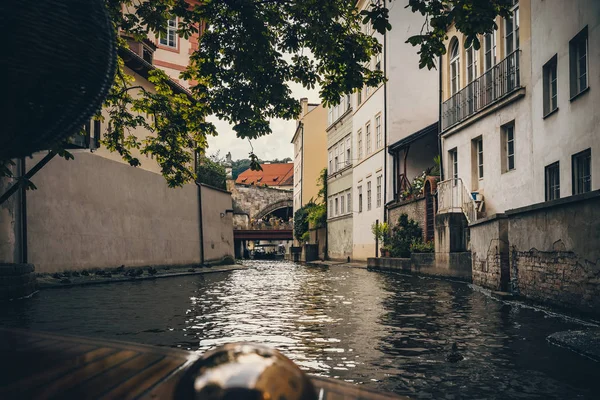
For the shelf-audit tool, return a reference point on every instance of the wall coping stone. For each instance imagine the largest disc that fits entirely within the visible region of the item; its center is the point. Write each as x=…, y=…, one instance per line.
x=490, y=218
x=404, y=202
x=554, y=203
x=214, y=188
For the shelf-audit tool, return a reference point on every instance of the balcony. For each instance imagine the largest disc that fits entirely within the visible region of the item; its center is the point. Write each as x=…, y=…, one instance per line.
x=499, y=81
x=453, y=197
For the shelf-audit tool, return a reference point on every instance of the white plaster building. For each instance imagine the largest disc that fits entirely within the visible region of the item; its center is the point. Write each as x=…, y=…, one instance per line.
x=367, y=174
x=339, y=180
x=519, y=123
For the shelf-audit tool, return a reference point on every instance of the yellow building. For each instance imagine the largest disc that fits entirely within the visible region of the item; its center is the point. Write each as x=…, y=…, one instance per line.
x=310, y=152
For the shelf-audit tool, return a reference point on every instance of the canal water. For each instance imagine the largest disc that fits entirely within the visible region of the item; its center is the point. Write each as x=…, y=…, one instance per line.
x=389, y=332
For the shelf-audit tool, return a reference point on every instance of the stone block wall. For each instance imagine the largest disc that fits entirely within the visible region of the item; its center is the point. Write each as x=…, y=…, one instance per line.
x=555, y=254
x=560, y=278
x=415, y=209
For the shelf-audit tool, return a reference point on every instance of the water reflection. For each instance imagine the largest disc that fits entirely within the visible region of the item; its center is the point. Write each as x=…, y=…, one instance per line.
x=389, y=332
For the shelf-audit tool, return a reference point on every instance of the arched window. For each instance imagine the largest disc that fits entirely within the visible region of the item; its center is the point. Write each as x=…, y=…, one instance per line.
x=454, y=67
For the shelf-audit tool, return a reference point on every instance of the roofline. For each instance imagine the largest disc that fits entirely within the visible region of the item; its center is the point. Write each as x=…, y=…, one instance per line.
x=143, y=67
x=300, y=123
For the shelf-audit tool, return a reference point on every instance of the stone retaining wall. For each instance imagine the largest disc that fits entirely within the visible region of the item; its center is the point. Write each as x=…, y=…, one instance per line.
x=415, y=209
x=16, y=281
x=457, y=266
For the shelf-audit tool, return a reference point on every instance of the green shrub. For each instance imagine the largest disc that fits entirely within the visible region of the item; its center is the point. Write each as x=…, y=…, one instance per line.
x=422, y=247
x=403, y=235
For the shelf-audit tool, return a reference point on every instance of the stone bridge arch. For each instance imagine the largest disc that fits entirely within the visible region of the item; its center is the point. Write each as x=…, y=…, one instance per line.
x=287, y=203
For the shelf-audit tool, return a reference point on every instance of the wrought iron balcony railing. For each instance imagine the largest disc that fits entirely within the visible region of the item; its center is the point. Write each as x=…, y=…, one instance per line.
x=453, y=196
x=497, y=82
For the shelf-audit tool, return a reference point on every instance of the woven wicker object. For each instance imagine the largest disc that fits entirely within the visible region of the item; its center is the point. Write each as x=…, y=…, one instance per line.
x=57, y=65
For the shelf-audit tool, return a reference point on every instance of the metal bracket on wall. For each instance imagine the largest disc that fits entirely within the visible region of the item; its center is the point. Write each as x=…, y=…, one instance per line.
x=22, y=179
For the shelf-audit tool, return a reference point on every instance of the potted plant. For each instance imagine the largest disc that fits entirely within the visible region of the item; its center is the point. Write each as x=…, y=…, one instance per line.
x=381, y=232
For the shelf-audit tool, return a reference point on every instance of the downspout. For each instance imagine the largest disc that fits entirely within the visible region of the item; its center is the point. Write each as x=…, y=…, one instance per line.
x=440, y=121
x=301, y=162
x=200, y=221
x=23, y=212
x=385, y=118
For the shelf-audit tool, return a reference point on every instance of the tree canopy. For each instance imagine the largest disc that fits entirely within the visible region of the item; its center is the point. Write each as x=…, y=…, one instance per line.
x=249, y=53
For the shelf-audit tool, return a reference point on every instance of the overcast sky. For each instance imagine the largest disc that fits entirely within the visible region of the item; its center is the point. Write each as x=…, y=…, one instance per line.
x=275, y=145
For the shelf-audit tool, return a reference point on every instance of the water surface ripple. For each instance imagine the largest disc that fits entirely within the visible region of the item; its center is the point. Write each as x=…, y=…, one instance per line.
x=386, y=331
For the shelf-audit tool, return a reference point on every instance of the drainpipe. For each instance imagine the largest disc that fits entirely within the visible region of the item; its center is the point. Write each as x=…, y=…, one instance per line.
x=23, y=214
x=440, y=120
x=301, y=161
x=200, y=222
x=385, y=118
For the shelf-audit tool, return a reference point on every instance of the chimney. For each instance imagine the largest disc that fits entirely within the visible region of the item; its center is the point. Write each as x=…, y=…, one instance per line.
x=304, y=107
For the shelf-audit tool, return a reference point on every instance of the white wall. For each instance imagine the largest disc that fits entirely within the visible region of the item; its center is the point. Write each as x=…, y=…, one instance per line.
x=576, y=124
x=367, y=169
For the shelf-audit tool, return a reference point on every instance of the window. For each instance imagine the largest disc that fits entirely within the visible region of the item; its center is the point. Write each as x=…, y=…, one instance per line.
x=582, y=172
x=348, y=152
x=454, y=68
x=471, y=64
x=330, y=116
x=378, y=62
x=360, y=146
x=552, y=181
x=330, y=162
x=479, y=145
x=508, y=137
x=336, y=206
x=330, y=208
x=453, y=157
x=379, y=179
x=169, y=38
x=349, y=202
x=550, y=88
x=511, y=29
x=368, y=138
x=360, y=199
x=367, y=91
x=342, y=200
x=359, y=97
x=489, y=41
x=378, y=131
x=335, y=159
x=343, y=154
x=578, y=62
x=348, y=103
x=369, y=196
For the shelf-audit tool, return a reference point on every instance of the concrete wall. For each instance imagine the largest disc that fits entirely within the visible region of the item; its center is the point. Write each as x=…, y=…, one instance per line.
x=576, y=124
x=457, y=265
x=217, y=222
x=415, y=209
x=94, y=212
x=339, y=237
x=549, y=252
x=489, y=252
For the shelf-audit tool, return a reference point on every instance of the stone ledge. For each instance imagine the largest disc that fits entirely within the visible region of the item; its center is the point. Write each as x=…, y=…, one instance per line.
x=586, y=343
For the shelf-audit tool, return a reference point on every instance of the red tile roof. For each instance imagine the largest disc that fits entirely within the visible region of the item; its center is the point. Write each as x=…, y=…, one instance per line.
x=271, y=175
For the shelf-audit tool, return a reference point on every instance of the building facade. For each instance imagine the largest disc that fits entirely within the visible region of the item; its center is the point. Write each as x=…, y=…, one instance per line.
x=339, y=180
x=310, y=152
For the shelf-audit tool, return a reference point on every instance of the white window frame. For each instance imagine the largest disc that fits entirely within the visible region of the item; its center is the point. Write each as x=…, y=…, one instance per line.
x=578, y=60
x=369, y=196
x=360, y=203
x=349, y=204
x=165, y=39
x=379, y=180
x=511, y=31
x=342, y=200
x=509, y=138
x=360, y=144
x=454, y=67
x=348, y=151
x=552, y=186
x=491, y=50
x=480, y=171
x=378, y=135
x=337, y=210
x=330, y=162
x=550, y=85
x=369, y=145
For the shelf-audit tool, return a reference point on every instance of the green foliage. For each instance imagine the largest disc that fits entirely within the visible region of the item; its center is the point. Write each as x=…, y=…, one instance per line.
x=301, y=222
x=381, y=231
x=317, y=215
x=211, y=172
x=419, y=246
x=403, y=235
x=471, y=17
